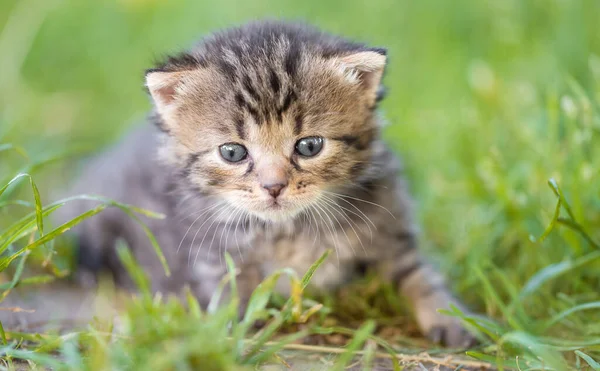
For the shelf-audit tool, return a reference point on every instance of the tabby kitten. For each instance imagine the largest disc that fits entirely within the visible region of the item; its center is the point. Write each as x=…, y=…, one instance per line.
x=267, y=145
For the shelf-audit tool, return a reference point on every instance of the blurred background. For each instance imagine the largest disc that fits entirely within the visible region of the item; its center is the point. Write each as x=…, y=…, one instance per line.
x=487, y=101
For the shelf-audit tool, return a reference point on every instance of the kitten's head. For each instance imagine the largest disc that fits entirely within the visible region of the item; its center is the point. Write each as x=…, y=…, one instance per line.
x=269, y=116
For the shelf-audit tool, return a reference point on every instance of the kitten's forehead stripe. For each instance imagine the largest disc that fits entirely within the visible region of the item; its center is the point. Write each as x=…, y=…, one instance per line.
x=292, y=59
x=274, y=81
x=240, y=129
x=289, y=99
x=298, y=122
x=250, y=89
x=254, y=113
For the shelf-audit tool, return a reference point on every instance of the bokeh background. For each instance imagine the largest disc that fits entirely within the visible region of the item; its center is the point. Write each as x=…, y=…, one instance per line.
x=487, y=101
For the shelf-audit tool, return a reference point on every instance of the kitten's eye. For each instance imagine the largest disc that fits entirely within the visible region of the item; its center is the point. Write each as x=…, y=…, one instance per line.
x=233, y=152
x=309, y=146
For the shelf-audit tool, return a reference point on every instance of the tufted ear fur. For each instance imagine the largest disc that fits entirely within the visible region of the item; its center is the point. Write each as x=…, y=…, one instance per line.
x=163, y=89
x=364, y=68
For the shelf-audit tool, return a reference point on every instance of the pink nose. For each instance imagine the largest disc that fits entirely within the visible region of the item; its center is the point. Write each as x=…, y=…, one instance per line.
x=274, y=189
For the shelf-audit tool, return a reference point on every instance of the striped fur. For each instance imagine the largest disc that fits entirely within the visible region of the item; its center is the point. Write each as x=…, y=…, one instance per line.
x=266, y=85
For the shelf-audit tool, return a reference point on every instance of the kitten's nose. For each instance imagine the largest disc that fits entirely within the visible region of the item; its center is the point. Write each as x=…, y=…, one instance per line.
x=274, y=189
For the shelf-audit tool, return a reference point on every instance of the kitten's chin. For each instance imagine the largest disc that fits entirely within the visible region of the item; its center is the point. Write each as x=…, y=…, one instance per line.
x=276, y=214
x=270, y=211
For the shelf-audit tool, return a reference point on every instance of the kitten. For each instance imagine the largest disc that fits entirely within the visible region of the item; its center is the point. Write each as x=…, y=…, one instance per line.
x=267, y=145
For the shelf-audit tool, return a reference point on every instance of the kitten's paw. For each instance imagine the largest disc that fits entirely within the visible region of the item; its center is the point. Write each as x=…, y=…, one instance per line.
x=85, y=279
x=450, y=332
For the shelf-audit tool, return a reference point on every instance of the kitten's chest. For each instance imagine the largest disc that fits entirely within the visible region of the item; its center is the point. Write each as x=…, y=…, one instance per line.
x=299, y=251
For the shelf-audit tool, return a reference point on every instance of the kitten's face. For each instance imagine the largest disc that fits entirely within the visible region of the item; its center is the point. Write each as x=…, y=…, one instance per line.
x=265, y=142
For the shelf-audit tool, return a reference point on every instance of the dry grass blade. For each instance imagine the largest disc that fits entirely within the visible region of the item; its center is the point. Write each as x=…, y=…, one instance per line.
x=449, y=361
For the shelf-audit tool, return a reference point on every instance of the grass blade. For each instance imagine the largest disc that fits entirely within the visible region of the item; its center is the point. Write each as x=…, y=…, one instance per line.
x=263, y=356
x=360, y=337
x=562, y=315
x=550, y=226
x=50, y=236
x=193, y=305
x=136, y=272
x=152, y=239
x=572, y=222
x=37, y=358
x=311, y=271
x=555, y=270
x=558, y=192
x=17, y=202
x=589, y=360
x=16, y=277
x=3, y=334
x=549, y=356
x=232, y=276
x=11, y=147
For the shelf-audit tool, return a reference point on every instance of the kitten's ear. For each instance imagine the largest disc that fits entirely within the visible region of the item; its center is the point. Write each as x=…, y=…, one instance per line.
x=365, y=68
x=162, y=86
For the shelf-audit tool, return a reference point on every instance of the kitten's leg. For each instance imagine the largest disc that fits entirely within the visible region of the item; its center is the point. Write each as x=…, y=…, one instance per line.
x=209, y=275
x=96, y=254
x=427, y=292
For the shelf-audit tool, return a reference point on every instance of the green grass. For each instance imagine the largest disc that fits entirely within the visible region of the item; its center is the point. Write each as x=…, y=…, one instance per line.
x=489, y=101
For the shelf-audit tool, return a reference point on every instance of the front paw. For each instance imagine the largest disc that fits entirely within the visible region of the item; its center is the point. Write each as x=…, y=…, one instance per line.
x=440, y=328
x=450, y=332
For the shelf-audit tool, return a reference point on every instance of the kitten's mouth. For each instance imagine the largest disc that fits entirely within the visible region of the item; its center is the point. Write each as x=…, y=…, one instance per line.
x=274, y=205
x=271, y=209
x=276, y=210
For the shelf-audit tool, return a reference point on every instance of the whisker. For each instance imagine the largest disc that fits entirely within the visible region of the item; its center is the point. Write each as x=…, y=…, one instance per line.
x=349, y=221
x=194, y=222
x=241, y=218
x=184, y=204
x=317, y=231
x=213, y=218
x=308, y=219
x=193, y=213
x=214, y=234
x=308, y=210
x=307, y=213
x=339, y=195
x=326, y=209
x=331, y=227
x=226, y=228
x=231, y=216
x=358, y=215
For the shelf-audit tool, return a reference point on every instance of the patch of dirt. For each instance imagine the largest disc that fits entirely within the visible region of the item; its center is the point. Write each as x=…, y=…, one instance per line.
x=57, y=306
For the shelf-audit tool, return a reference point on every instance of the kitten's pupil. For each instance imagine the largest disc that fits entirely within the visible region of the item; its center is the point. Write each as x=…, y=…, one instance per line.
x=309, y=146
x=233, y=152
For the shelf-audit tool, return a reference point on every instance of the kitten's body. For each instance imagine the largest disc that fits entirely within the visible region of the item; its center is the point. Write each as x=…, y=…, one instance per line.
x=263, y=88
